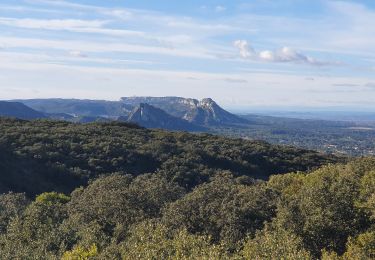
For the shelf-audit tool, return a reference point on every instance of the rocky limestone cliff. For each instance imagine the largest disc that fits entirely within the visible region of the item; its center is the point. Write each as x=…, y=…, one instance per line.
x=152, y=117
x=204, y=112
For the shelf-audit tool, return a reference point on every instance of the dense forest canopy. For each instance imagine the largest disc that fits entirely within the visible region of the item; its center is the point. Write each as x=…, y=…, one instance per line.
x=39, y=156
x=327, y=214
x=118, y=191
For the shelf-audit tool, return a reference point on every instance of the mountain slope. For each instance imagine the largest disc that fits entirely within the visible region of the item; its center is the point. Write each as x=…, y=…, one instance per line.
x=175, y=106
x=60, y=156
x=205, y=112
x=208, y=112
x=18, y=110
x=78, y=107
x=151, y=117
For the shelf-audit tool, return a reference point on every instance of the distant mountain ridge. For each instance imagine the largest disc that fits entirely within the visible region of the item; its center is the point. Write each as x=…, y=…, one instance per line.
x=78, y=107
x=176, y=113
x=19, y=110
x=204, y=112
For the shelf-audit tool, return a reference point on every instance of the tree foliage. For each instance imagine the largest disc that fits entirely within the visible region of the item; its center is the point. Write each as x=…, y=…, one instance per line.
x=45, y=156
x=199, y=200
x=275, y=244
x=155, y=241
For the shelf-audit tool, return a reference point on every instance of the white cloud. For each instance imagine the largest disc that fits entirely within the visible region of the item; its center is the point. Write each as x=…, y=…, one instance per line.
x=142, y=82
x=13, y=60
x=354, y=34
x=220, y=8
x=285, y=54
x=165, y=22
x=68, y=45
x=166, y=37
x=246, y=51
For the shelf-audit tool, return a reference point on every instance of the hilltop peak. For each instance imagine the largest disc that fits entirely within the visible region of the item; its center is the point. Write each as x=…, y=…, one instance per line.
x=152, y=117
x=207, y=100
x=204, y=112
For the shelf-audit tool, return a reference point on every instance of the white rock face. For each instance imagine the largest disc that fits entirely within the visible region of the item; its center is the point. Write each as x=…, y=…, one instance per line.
x=193, y=103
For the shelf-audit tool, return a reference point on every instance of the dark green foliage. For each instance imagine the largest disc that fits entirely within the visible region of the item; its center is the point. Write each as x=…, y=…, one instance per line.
x=25, y=172
x=106, y=209
x=35, y=234
x=44, y=156
x=52, y=198
x=11, y=206
x=325, y=214
x=223, y=209
x=154, y=241
x=199, y=201
x=323, y=208
x=274, y=243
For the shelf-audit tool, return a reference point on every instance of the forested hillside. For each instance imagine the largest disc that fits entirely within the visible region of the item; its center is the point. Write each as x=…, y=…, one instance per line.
x=327, y=214
x=41, y=156
x=118, y=191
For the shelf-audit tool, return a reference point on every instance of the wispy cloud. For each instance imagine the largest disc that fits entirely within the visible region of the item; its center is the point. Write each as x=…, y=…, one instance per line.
x=220, y=8
x=24, y=9
x=60, y=3
x=73, y=25
x=84, y=39
x=68, y=45
x=139, y=82
x=52, y=24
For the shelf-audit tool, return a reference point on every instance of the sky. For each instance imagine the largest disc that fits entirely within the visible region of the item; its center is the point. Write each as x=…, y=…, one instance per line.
x=241, y=53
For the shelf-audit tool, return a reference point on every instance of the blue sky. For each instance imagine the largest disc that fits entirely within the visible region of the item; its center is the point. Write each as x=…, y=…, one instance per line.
x=279, y=53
